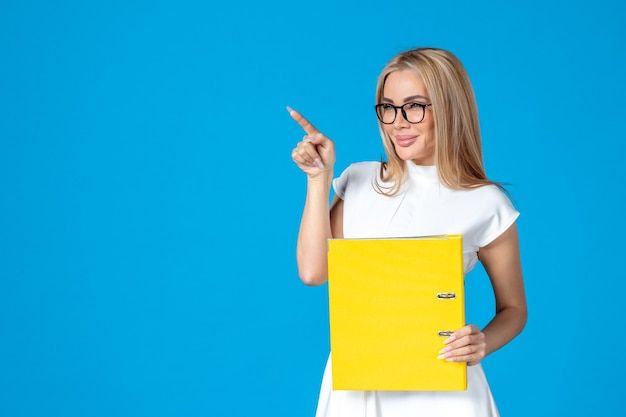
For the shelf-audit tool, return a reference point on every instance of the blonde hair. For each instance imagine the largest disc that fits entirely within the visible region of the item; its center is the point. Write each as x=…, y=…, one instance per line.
x=458, y=149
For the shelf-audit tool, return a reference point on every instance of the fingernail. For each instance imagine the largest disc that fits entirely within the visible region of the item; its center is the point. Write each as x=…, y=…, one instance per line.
x=307, y=139
x=289, y=109
x=446, y=349
x=441, y=357
x=449, y=340
x=318, y=163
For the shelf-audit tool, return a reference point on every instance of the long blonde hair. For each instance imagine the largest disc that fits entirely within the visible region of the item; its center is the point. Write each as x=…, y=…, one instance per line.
x=458, y=149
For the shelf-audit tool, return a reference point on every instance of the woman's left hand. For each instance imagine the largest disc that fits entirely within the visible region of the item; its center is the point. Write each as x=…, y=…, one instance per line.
x=465, y=345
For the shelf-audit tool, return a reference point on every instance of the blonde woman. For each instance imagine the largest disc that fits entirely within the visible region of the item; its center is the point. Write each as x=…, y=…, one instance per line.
x=433, y=182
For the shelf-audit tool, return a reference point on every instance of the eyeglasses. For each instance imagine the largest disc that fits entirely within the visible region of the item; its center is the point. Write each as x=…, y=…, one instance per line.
x=412, y=112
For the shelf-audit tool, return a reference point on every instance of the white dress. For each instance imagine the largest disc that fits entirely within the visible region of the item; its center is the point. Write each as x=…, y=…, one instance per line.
x=423, y=207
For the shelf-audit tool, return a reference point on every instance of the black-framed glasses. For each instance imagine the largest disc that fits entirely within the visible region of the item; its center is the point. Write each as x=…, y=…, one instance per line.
x=413, y=112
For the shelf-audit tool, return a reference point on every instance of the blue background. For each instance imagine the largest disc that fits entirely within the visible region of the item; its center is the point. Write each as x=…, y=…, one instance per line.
x=149, y=205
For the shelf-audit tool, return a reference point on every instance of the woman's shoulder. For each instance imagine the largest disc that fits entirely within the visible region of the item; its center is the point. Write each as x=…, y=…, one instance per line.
x=490, y=198
x=490, y=194
x=361, y=170
x=497, y=211
x=484, y=199
x=356, y=176
x=364, y=167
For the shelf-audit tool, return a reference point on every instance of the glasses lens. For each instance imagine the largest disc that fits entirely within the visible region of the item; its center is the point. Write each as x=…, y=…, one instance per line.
x=414, y=112
x=386, y=113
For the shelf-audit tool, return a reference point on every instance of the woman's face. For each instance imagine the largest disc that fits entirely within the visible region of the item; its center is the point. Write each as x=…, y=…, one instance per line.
x=415, y=142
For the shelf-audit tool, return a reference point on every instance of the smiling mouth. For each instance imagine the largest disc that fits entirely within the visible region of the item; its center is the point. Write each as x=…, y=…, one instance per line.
x=405, y=140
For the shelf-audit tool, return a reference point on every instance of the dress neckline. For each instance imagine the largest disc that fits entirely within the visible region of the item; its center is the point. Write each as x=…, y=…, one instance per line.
x=422, y=172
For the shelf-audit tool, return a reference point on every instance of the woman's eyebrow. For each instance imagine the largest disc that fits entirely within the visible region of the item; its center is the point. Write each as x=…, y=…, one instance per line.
x=415, y=97
x=407, y=99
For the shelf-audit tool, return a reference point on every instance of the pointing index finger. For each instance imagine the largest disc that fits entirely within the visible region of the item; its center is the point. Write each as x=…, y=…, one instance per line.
x=302, y=121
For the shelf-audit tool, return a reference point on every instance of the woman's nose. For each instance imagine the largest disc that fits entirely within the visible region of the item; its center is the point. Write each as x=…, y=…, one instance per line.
x=400, y=121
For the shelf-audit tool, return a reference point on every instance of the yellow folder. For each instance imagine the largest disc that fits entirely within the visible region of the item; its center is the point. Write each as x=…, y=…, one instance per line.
x=392, y=303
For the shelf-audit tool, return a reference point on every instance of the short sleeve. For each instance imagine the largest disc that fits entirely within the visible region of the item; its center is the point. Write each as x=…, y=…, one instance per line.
x=498, y=219
x=340, y=183
x=356, y=181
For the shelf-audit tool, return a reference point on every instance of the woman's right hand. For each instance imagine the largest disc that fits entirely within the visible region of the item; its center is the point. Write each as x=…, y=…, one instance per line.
x=315, y=153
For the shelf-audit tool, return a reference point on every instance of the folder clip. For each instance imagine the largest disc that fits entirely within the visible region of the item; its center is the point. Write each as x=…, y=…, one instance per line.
x=445, y=333
x=446, y=295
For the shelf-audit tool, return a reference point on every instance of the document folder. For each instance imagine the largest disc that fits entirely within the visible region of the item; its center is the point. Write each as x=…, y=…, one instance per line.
x=392, y=303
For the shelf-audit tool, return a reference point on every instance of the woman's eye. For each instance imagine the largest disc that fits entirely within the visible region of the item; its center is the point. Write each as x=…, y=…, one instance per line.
x=414, y=106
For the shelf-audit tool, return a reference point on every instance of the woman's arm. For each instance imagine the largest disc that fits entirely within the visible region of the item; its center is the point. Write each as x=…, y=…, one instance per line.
x=318, y=224
x=501, y=259
x=315, y=156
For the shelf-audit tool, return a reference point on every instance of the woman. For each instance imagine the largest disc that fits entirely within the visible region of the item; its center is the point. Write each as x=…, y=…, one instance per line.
x=432, y=183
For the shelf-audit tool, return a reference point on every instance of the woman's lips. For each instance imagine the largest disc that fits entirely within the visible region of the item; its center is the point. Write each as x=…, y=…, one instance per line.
x=405, y=140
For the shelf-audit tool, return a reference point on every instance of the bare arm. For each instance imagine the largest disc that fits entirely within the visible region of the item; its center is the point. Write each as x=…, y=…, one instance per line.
x=315, y=155
x=318, y=224
x=501, y=259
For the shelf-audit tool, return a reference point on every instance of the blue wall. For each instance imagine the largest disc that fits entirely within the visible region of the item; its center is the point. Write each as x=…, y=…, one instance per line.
x=149, y=205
